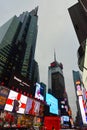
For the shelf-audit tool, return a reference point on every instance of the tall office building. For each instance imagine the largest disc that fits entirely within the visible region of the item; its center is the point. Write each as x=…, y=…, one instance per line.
x=56, y=85
x=17, y=47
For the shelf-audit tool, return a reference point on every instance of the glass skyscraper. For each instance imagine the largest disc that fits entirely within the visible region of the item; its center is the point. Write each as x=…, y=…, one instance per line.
x=17, y=47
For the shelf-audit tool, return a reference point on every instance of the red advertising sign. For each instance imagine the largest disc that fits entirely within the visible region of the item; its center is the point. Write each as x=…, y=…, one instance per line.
x=52, y=122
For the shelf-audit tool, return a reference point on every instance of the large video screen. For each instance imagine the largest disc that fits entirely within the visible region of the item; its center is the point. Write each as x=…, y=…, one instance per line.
x=39, y=93
x=3, y=96
x=16, y=102
x=53, y=103
x=32, y=107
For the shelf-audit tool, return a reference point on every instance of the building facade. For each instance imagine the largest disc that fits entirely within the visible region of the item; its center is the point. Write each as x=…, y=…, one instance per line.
x=78, y=14
x=56, y=85
x=81, y=99
x=17, y=47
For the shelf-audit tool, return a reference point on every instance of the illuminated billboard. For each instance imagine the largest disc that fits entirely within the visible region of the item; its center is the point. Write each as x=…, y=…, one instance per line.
x=39, y=93
x=19, y=83
x=53, y=103
x=16, y=102
x=82, y=110
x=3, y=96
x=32, y=107
x=79, y=90
x=65, y=118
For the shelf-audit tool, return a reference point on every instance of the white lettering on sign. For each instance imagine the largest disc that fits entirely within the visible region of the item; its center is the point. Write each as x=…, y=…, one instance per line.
x=20, y=81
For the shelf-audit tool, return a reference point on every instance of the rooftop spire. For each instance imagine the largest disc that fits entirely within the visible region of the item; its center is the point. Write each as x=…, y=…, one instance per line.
x=54, y=55
x=36, y=10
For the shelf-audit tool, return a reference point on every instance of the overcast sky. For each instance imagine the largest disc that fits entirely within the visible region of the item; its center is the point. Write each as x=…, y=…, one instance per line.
x=55, y=31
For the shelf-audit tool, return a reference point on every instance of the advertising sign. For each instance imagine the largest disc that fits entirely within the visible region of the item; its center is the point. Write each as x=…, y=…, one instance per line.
x=20, y=83
x=53, y=103
x=16, y=102
x=65, y=118
x=3, y=96
x=39, y=93
x=51, y=122
x=79, y=90
x=82, y=110
x=32, y=107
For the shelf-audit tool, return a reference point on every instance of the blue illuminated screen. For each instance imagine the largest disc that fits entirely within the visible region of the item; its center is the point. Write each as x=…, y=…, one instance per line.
x=53, y=103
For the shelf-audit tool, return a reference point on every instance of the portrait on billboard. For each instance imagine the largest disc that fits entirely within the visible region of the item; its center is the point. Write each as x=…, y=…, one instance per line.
x=39, y=93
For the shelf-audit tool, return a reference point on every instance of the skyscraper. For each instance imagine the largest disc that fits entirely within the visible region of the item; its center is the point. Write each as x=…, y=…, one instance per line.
x=17, y=47
x=56, y=84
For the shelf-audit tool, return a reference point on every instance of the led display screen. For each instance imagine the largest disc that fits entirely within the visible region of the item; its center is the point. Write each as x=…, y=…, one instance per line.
x=19, y=83
x=79, y=90
x=65, y=118
x=39, y=93
x=32, y=107
x=3, y=96
x=16, y=102
x=53, y=103
x=82, y=110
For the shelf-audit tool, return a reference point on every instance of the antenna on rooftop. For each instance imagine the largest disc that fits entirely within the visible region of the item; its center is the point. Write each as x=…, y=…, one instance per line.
x=54, y=55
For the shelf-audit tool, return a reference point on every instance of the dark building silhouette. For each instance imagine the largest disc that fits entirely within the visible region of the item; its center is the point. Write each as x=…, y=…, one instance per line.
x=17, y=47
x=78, y=14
